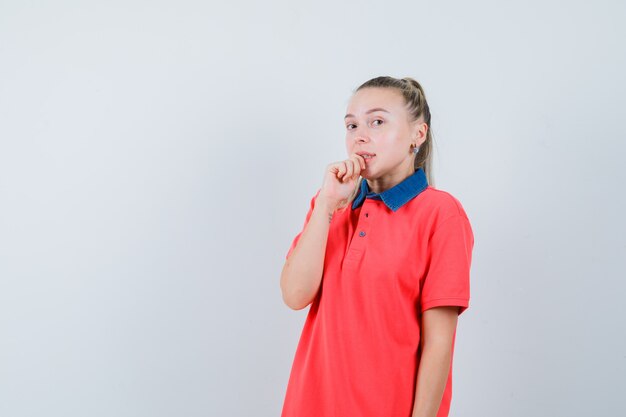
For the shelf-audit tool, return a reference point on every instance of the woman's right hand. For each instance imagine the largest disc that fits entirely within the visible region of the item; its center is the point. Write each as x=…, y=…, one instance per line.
x=340, y=179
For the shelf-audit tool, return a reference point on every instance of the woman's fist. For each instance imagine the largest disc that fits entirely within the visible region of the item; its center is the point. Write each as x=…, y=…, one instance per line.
x=340, y=179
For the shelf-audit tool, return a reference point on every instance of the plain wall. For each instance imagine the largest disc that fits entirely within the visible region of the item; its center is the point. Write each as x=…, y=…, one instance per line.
x=157, y=159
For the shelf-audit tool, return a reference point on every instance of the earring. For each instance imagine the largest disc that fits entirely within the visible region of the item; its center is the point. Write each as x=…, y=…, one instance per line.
x=415, y=148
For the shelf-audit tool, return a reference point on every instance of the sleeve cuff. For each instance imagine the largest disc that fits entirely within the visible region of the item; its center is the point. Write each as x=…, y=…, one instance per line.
x=463, y=303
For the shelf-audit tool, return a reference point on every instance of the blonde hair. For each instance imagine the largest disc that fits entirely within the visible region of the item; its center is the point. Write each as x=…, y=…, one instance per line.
x=417, y=107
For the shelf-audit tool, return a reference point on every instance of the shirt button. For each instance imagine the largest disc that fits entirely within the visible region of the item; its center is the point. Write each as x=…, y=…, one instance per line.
x=361, y=233
x=367, y=214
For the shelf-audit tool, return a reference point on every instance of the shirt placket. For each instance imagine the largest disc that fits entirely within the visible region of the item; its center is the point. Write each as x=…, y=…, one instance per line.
x=361, y=234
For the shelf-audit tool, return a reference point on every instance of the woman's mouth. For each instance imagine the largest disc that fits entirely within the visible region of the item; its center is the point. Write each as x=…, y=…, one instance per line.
x=368, y=158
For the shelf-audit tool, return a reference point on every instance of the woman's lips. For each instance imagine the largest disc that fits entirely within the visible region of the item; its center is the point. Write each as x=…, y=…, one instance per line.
x=369, y=160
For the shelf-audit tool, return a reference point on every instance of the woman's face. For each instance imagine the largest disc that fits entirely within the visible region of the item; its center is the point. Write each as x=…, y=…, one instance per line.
x=377, y=122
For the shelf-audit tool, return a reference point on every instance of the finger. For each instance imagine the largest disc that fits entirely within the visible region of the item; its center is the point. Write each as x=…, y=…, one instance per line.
x=350, y=167
x=336, y=168
x=356, y=168
x=341, y=169
x=357, y=160
x=360, y=162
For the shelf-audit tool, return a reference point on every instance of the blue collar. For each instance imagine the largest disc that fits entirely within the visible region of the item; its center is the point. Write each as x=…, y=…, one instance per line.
x=396, y=196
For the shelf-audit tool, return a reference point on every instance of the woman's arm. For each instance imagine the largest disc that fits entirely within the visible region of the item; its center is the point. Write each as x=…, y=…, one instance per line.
x=438, y=329
x=302, y=273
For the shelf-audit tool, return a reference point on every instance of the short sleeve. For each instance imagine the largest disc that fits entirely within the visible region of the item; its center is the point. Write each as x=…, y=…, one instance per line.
x=306, y=221
x=447, y=278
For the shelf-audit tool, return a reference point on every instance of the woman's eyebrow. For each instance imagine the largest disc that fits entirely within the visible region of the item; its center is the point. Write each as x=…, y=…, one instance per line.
x=368, y=112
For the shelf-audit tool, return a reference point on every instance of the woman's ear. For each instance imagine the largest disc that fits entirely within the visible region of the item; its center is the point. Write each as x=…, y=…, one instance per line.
x=420, y=133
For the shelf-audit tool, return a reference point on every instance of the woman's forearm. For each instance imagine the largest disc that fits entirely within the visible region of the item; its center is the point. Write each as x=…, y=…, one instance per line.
x=302, y=273
x=432, y=376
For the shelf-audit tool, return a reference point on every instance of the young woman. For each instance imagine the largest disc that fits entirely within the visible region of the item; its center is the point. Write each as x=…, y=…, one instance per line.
x=383, y=259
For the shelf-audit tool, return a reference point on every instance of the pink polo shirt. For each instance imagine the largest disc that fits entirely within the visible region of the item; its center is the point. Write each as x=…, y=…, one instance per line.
x=387, y=261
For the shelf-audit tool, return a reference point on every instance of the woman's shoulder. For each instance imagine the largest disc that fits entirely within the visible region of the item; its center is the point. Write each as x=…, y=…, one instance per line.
x=442, y=203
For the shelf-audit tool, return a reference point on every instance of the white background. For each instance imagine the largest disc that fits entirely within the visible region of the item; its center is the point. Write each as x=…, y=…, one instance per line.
x=157, y=159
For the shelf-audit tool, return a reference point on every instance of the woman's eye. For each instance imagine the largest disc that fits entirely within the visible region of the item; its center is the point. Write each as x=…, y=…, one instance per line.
x=352, y=124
